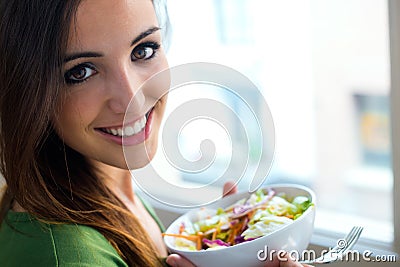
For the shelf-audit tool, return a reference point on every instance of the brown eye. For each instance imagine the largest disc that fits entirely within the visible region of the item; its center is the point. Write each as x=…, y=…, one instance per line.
x=79, y=73
x=144, y=51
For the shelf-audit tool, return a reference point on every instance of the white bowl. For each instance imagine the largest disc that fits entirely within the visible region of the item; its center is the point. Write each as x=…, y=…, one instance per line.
x=293, y=238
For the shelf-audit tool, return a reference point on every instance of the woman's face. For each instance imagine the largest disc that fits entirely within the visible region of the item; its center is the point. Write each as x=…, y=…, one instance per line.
x=113, y=48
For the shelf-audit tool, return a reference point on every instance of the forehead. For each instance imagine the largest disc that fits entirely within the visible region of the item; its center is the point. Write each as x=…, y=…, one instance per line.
x=98, y=22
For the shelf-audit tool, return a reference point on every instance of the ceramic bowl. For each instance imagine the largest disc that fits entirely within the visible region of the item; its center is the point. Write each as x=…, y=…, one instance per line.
x=293, y=238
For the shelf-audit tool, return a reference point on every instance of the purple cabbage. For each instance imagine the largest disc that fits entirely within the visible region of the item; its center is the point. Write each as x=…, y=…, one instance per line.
x=218, y=242
x=239, y=209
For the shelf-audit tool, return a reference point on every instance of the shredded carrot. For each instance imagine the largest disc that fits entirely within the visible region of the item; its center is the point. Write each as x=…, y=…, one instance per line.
x=189, y=237
x=234, y=233
x=217, y=231
x=231, y=237
x=214, y=235
x=195, y=238
x=250, y=214
x=199, y=240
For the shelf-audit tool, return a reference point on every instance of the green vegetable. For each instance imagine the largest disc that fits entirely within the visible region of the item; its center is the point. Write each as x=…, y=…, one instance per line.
x=302, y=203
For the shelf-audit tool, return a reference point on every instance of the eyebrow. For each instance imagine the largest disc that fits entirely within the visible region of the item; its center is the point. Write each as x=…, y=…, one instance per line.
x=81, y=54
x=144, y=34
x=77, y=55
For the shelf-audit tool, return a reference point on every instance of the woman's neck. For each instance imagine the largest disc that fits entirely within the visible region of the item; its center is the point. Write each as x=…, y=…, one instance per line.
x=119, y=181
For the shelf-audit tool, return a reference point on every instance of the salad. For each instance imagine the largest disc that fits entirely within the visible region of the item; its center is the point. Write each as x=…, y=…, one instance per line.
x=263, y=212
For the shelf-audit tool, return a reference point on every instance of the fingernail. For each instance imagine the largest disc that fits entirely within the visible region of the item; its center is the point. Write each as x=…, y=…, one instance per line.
x=171, y=262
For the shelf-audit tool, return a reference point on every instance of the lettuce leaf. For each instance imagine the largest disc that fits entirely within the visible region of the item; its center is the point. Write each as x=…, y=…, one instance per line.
x=267, y=224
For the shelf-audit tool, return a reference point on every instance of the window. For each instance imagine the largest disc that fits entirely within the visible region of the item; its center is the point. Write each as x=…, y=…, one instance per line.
x=324, y=69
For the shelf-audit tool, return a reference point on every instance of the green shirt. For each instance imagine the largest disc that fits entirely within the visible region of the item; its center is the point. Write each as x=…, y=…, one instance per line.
x=24, y=241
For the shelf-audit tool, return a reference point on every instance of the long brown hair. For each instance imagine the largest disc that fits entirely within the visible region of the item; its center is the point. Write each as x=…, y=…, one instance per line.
x=47, y=178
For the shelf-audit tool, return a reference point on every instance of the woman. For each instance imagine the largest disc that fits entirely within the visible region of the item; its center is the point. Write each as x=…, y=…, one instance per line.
x=68, y=71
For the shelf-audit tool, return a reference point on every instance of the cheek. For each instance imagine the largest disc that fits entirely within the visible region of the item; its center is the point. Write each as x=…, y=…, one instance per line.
x=158, y=85
x=76, y=112
x=66, y=124
x=163, y=103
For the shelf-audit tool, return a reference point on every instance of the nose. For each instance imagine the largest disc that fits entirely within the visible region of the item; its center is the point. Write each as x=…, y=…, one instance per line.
x=124, y=90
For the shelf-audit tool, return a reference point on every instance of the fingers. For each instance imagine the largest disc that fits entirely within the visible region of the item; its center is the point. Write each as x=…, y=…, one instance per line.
x=175, y=260
x=229, y=189
x=288, y=262
x=284, y=261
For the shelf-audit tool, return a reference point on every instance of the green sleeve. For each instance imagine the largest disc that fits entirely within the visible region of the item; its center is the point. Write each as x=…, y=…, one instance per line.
x=26, y=242
x=83, y=246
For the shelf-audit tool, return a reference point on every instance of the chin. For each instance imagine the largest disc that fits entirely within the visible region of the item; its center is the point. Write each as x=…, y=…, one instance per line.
x=143, y=163
x=139, y=157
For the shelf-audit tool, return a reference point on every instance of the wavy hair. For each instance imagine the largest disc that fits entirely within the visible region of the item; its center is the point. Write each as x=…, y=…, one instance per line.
x=46, y=177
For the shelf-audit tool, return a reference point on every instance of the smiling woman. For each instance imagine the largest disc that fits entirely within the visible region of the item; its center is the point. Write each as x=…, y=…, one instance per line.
x=71, y=99
x=69, y=199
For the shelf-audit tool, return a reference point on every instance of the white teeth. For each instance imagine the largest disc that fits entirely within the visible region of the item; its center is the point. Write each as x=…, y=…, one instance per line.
x=137, y=127
x=129, y=131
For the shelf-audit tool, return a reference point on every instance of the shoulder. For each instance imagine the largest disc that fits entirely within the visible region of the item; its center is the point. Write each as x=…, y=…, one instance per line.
x=78, y=245
x=26, y=241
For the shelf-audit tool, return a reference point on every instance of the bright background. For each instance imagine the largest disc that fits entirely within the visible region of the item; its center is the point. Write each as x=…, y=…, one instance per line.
x=323, y=68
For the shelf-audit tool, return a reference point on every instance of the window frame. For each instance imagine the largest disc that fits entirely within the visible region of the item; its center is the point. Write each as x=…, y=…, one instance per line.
x=394, y=39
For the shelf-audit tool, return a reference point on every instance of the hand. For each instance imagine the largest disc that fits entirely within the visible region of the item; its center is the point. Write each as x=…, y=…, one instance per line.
x=229, y=189
x=175, y=260
x=285, y=261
